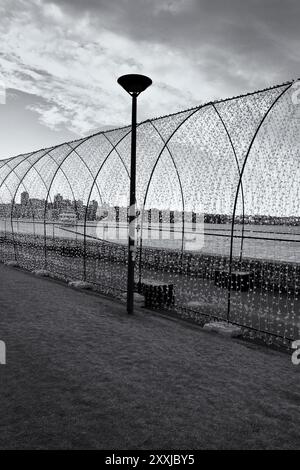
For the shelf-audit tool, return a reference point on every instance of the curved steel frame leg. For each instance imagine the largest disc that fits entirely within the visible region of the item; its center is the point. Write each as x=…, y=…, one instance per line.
x=90, y=194
x=239, y=171
x=237, y=193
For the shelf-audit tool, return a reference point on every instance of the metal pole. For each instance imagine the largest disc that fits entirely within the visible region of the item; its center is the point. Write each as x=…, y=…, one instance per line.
x=132, y=209
x=134, y=84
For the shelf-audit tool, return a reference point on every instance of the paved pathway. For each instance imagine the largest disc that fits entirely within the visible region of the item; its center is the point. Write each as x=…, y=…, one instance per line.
x=80, y=373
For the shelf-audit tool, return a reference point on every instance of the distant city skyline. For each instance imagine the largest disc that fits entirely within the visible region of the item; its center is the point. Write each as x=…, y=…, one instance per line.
x=28, y=207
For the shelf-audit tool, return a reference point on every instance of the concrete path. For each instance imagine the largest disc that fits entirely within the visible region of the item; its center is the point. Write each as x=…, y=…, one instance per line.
x=80, y=373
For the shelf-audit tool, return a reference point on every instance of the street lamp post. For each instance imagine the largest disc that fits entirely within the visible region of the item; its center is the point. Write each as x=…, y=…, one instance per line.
x=134, y=85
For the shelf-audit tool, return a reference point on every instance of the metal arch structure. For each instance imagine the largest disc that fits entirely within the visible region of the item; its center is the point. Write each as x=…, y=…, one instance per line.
x=240, y=185
x=113, y=149
x=227, y=170
x=239, y=170
x=146, y=194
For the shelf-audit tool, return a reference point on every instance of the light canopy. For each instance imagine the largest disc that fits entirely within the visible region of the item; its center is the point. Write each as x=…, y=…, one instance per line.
x=134, y=84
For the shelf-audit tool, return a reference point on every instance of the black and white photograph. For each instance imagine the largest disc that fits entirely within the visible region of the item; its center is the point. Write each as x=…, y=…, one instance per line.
x=149, y=228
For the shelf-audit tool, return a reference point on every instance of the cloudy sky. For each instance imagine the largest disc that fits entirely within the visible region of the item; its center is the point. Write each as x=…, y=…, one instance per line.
x=60, y=59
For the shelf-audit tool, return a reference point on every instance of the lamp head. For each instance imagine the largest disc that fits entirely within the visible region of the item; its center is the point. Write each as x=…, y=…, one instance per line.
x=134, y=84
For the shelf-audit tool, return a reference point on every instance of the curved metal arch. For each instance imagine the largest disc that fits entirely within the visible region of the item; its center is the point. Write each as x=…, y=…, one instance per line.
x=38, y=173
x=182, y=198
x=238, y=188
x=13, y=206
x=90, y=194
x=68, y=181
x=103, y=163
x=95, y=181
x=53, y=159
x=21, y=181
x=114, y=148
x=12, y=229
x=32, y=165
x=173, y=161
x=24, y=176
x=239, y=171
x=49, y=189
x=7, y=187
x=26, y=156
x=88, y=168
x=119, y=155
x=47, y=152
x=6, y=162
x=166, y=143
x=59, y=168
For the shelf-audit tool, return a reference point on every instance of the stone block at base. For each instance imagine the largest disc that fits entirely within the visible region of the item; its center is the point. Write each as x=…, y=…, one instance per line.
x=41, y=272
x=14, y=264
x=223, y=328
x=80, y=284
x=157, y=294
x=138, y=299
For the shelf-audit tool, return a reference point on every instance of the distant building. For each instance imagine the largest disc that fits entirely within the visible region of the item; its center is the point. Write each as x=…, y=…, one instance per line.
x=24, y=198
x=92, y=210
x=58, y=199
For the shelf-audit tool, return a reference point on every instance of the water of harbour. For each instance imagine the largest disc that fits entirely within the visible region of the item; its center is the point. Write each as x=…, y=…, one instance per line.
x=269, y=242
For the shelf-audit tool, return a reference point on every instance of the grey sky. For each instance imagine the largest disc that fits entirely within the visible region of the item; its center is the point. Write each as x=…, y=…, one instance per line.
x=63, y=57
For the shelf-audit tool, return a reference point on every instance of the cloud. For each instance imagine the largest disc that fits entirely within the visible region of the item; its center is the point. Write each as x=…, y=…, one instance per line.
x=70, y=53
x=50, y=116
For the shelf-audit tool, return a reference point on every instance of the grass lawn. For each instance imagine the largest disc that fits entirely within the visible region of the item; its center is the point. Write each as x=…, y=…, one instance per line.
x=81, y=373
